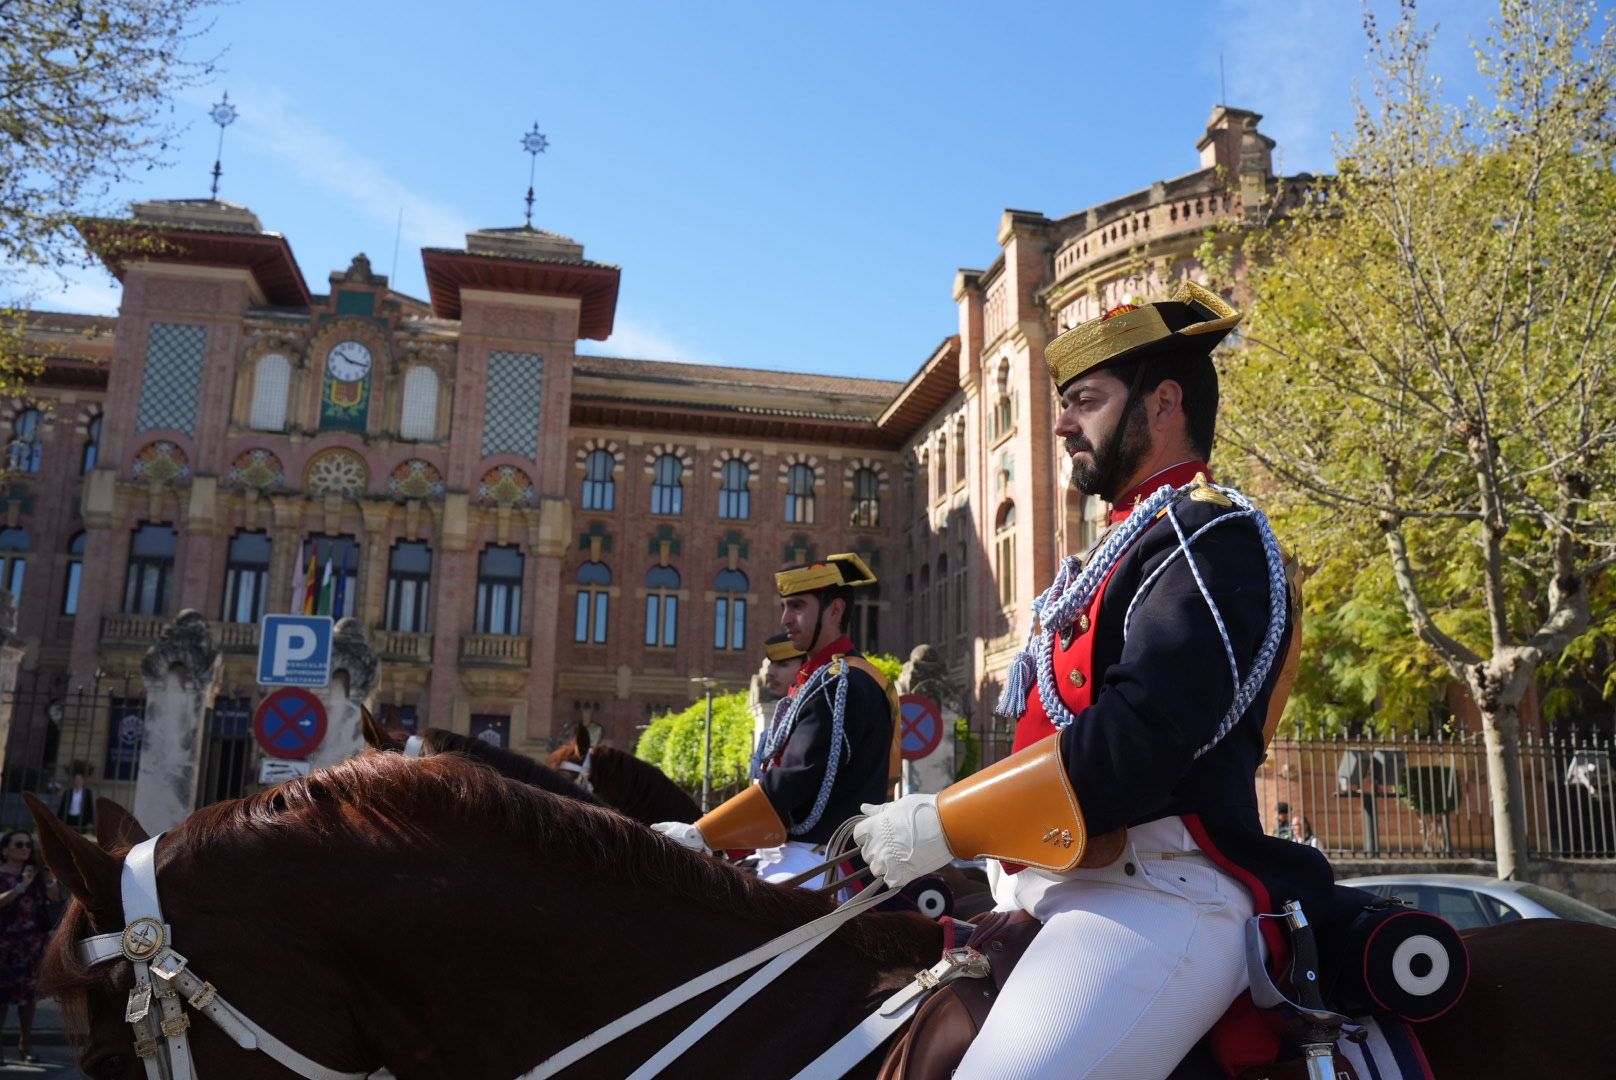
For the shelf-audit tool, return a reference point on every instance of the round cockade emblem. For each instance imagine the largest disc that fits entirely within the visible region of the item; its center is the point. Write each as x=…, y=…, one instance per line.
x=143, y=938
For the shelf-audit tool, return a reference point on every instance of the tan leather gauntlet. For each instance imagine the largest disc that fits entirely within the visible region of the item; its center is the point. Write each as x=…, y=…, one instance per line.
x=746, y=820
x=1023, y=810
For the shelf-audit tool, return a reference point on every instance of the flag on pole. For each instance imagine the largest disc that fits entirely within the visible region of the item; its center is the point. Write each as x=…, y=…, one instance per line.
x=324, y=607
x=300, y=582
x=342, y=587
x=310, y=581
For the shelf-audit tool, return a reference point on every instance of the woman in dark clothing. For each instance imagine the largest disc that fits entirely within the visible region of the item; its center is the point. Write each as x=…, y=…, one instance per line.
x=25, y=895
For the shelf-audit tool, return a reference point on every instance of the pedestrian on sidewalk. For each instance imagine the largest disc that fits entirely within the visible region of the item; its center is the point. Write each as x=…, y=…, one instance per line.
x=25, y=925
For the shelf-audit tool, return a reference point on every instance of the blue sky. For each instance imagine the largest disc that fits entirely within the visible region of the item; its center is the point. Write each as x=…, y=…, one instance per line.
x=784, y=186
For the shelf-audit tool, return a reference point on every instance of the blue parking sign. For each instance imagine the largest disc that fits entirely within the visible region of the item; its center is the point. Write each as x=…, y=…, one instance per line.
x=294, y=650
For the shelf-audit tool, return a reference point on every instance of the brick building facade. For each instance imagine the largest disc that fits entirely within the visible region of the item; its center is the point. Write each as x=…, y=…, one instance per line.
x=531, y=537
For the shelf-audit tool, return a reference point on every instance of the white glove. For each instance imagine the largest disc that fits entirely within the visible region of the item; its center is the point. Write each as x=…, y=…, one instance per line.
x=683, y=832
x=903, y=840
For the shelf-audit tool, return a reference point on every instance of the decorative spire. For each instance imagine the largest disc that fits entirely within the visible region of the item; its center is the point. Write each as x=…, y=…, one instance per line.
x=534, y=143
x=223, y=114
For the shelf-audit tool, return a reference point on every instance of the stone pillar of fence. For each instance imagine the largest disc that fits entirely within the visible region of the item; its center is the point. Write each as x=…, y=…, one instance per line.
x=181, y=673
x=926, y=674
x=355, y=673
x=11, y=654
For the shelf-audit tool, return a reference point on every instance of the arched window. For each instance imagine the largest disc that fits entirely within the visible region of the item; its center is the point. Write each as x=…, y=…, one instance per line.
x=800, y=495
x=662, y=607
x=13, y=561
x=246, y=577
x=75, y=575
x=945, y=625
x=92, y=445
x=1003, y=407
x=499, y=590
x=667, y=485
x=942, y=469
x=729, y=617
x=961, y=622
x=959, y=453
x=735, y=494
x=867, y=618
x=26, y=448
x=600, y=487
x=151, y=569
x=418, y=418
x=272, y=386
x=331, y=575
x=866, y=499
x=1004, y=546
x=409, y=579
x=594, y=600
x=923, y=606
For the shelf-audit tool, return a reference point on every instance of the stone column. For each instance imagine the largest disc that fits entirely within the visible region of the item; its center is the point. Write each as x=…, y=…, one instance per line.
x=355, y=674
x=11, y=654
x=925, y=673
x=181, y=673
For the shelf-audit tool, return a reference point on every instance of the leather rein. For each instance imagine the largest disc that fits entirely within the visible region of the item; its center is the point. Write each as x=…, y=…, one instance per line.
x=165, y=985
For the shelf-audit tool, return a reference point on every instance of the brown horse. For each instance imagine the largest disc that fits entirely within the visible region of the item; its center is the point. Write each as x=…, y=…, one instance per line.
x=534, y=919
x=630, y=786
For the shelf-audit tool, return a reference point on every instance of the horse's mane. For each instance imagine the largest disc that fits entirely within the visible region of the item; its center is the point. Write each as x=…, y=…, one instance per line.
x=508, y=763
x=638, y=788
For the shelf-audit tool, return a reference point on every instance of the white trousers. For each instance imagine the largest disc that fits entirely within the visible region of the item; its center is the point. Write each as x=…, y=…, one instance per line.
x=1135, y=962
x=788, y=860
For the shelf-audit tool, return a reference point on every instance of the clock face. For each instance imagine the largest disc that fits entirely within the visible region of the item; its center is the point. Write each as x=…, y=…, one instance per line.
x=348, y=361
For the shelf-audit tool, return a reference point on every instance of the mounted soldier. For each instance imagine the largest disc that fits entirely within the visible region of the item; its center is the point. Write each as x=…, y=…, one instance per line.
x=1126, y=818
x=831, y=745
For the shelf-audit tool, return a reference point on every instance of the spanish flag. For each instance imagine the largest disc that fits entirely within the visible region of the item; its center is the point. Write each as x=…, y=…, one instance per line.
x=310, y=581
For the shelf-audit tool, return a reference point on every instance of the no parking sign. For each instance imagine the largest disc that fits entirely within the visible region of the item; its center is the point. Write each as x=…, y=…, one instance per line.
x=289, y=724
x=922, y=724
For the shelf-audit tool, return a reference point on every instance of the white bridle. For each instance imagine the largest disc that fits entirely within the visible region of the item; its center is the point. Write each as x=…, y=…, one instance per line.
x=163, y=974
x=580, y=773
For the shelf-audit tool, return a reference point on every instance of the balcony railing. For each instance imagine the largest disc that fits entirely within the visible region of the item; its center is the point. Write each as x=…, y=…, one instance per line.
x=132, y=629
x=495, y=650
x=237, y=636
x=400, y=647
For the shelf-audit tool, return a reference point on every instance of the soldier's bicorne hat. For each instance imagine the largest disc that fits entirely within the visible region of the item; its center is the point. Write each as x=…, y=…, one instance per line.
x=1189, y=324
x=780, y=650
x=837, y=571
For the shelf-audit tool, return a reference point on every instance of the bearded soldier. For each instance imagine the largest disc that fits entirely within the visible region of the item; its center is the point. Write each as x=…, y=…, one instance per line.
x=1126, y=818
x=831, y=746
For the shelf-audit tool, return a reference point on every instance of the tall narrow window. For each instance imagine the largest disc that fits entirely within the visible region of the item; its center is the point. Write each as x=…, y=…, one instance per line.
x=594, y=601
x=600, y=487
x=1003, y=406
x=945, y=624
x=246, y=577
x=662, y=607
x=1004, y=545
x=866, y=499
x=75, y=575
x=867, y=618
x=272, y=386
x=13, y=560
x=735, y=496
x=667, y=485
x=499, y=590
x=800, y=495
x=729, y=615
x=92, y=445
x=409, y=577
x=419, y=416
x=942, y=469
x=151, y=570
x=961, y=621
x=923, y=606
x=26, y=450
x=959, y=452
x=330, y=577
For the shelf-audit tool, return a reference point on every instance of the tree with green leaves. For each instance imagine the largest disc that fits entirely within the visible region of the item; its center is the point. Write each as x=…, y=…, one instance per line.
x=86, y=102
x=1429, y=366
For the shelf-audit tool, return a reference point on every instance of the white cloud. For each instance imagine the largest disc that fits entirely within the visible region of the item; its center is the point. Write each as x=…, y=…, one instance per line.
x=639, y=341
x=86, y=291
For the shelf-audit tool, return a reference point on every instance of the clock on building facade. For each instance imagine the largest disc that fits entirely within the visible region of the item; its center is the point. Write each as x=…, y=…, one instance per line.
x=346, y=397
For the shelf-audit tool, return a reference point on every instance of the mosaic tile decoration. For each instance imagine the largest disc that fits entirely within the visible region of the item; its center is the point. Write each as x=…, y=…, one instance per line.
x=256, y=468
x=416, y=479
x=506, y=484
x=337, y=472
x=511, y=409
x=173, y=377
x=161, y=462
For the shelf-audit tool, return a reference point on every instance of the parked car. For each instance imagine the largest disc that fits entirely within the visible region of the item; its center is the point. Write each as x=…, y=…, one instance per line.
x=1472, y=900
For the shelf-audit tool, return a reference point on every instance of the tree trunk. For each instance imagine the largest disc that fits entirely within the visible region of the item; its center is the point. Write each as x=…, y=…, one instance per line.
x=1501, y=728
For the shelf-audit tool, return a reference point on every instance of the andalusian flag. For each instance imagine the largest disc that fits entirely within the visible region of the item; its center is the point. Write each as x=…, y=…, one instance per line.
x=324, y=607
x=310, y=579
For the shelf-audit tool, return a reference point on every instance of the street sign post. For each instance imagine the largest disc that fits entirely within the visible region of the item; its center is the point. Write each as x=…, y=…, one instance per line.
x=294, y=650
x=274, y=770
x=922, y=724
x=289, y=724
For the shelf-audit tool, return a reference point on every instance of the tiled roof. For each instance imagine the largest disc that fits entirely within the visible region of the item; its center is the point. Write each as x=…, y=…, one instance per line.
x=882, y=390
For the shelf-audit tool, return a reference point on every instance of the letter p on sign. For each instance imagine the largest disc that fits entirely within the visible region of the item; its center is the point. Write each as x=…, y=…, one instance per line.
x=292, y=644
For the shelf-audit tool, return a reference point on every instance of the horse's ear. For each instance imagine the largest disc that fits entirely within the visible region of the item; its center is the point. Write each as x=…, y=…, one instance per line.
x=89, y=873
x=375, y=734
x=115, y=827
x=580, y=739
